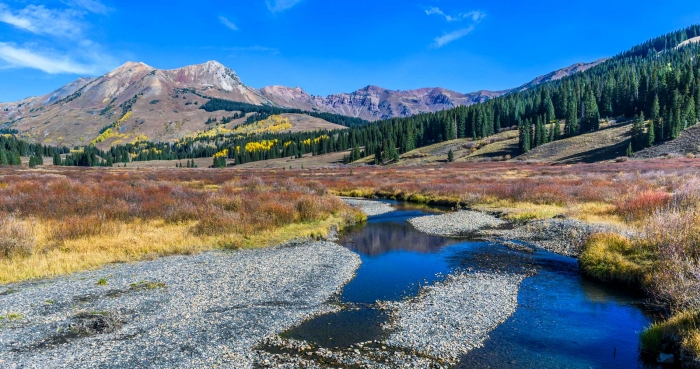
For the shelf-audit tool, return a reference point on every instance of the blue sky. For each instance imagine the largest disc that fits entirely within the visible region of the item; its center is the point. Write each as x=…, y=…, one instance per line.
x=324, y=46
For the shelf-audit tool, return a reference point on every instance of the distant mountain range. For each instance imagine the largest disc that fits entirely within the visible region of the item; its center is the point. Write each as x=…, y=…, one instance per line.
x=163, y=105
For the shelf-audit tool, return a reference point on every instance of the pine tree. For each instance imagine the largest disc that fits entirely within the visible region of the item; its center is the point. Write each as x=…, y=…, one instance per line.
x=638, y=136
x=524, y=138
x=557, y=131
x=629, y=149
x=450, y=156
x=56, y=159
x=656, y=121
x=651, y=139
x=591, y=118
x=3, y=157
x=571, y=127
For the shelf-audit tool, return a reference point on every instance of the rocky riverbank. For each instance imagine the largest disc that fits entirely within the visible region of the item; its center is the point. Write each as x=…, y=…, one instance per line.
x=203, y=310
x=458, y=224
x=561, y=236
x=452, y=317
x=369, y=207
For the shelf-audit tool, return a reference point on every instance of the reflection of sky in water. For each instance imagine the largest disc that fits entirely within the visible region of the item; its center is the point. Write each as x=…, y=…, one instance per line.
x=563, y=321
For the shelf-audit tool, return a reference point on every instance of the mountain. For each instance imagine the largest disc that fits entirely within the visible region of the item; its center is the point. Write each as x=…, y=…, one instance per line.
x=560, y=73
x=373, y=102
x=149, y=103
x=162, y=105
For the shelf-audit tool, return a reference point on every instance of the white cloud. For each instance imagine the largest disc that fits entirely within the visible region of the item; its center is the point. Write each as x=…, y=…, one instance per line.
x=16, y=57
x=228, y=23
x=280, y=5
x=39, y=20
x=452, y=36
x=474, y=15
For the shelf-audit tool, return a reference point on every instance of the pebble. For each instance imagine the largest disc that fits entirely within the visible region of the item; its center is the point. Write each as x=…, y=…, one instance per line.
x=450, y=318
x=369, y=207
x=458, y=224
x=204, y=310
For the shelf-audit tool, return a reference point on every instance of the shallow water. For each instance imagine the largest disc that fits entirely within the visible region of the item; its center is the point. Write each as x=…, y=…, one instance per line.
x=562, y=321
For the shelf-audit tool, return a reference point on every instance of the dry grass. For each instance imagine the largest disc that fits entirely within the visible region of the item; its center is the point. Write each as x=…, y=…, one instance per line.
x=611, y=257
x=53, y=223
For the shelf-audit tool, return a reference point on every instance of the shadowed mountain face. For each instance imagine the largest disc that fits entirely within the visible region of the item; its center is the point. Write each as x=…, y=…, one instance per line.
x=163, y=105
x=373, y=103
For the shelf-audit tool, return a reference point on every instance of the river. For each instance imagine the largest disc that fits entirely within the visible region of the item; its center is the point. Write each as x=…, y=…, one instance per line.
x=562, y=321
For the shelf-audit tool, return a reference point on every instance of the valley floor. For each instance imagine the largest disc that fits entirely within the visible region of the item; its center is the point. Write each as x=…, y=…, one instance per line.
x=205, y=310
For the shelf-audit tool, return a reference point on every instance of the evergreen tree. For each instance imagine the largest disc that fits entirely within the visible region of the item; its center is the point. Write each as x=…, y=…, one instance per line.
x=591, y=117
x=557, y=131
x=651, y=139
x=639, y=139
x=571, y=127
x=450, y=156
x=629, y=149
x=3, y=157
x=56, y=159
x=524, y=138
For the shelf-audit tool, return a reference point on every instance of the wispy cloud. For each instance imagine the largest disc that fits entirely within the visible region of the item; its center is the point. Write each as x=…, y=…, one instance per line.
x=17, y=57
x=228, y=23
x=59, y=44
x=93, y=6
x=39, y=20
x=452, y=36
x=475, y=16
x=280, y=5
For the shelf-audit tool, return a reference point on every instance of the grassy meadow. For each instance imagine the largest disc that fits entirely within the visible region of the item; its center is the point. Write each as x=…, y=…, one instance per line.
x=57, y=221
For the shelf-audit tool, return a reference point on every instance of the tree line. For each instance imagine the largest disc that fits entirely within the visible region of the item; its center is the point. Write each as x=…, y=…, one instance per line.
x=656, y=80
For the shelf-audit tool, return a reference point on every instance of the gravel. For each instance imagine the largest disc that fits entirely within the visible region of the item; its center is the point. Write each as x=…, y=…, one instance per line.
x=205, y=310
x=561, y=236
x=457, y=224
x=450, y=318
x=369, y=207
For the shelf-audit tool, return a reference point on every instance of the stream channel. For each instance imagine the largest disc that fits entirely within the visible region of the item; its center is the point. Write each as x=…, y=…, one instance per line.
x=562, y=321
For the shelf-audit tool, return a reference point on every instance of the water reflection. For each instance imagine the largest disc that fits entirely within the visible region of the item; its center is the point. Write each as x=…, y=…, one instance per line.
x=562, y=321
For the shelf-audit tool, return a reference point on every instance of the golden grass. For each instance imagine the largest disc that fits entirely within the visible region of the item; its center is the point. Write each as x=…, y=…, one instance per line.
x=611, y=257
x=683, y=327
x=146, y=240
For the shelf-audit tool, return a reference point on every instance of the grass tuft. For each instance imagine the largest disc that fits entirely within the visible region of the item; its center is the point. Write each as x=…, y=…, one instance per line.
x=610, y=257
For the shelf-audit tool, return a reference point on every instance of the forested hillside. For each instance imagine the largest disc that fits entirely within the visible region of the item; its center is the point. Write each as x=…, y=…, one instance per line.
x=656, y=80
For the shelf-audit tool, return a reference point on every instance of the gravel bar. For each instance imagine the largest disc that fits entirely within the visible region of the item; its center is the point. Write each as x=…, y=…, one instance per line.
x=205, y=310
x=369, y=207
x=452, y=317
x=461, y=223
x=562, y=236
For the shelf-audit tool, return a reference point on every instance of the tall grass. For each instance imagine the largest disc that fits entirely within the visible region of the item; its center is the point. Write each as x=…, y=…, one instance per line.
x=68, y=220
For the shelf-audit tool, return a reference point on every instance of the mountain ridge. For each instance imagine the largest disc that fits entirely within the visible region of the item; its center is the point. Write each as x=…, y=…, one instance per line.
x=164, y=103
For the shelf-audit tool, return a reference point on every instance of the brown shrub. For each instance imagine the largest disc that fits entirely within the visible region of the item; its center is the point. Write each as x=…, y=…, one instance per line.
x=75, y=227
x=16, y=238
x=643, y=205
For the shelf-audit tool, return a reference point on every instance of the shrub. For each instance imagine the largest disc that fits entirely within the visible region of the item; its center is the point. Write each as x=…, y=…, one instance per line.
x=16, y=238
x=309, y=209
x=683, y=328
x=75, y=227
x=643, y=205
x=610, y=257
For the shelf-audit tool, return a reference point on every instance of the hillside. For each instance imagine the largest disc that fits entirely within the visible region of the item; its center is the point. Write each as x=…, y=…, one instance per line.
x=687, y=143
x=163, y=105
x=608, y=143
x=147, y=103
